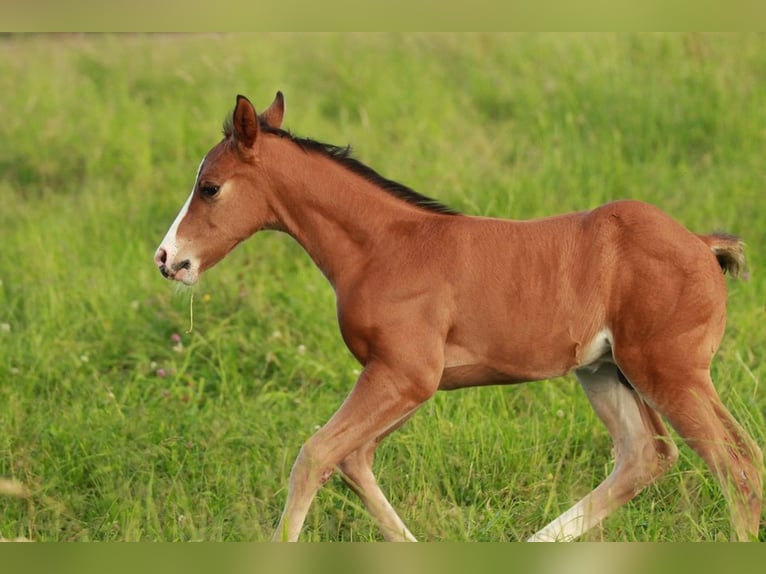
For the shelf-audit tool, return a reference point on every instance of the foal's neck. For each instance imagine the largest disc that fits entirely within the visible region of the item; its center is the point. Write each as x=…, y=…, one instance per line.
x=338, y=216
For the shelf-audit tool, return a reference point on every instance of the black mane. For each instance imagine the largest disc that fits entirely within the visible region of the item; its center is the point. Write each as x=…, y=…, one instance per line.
x=342, y=155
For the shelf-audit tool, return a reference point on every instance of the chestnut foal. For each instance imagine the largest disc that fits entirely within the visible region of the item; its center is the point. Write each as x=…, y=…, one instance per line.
x=428, y=299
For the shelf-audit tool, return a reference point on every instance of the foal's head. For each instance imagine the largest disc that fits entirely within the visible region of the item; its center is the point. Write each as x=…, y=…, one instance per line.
x=226, y=205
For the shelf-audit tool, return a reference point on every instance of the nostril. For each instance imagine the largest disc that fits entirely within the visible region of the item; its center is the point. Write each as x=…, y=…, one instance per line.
x=161, y=257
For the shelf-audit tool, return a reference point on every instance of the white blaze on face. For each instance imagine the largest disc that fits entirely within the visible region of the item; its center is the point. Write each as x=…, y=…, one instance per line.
x=170, y=241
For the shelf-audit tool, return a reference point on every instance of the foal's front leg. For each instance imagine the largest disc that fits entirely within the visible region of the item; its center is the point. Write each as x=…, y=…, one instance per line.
x=381, y=399
x=356, y=471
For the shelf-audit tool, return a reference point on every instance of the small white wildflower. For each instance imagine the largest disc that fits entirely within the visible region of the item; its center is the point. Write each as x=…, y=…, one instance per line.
x=560, y=414
x=301, y=349
x=84, y=358
x=5, y=327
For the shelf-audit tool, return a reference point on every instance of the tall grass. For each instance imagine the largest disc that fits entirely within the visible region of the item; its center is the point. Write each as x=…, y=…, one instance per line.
x=118, y=424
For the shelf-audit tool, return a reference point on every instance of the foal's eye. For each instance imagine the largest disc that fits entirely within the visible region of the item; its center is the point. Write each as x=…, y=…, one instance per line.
x=209, y=190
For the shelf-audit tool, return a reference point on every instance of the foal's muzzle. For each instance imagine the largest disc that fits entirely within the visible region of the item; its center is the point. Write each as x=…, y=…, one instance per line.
x=169, y=271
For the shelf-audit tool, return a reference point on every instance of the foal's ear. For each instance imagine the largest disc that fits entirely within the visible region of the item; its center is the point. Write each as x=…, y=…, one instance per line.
x=245, y=122
x=273, y=115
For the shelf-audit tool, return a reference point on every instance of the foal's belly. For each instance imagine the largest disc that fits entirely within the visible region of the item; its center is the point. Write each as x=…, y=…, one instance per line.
x=464, y=368
x=476, y=375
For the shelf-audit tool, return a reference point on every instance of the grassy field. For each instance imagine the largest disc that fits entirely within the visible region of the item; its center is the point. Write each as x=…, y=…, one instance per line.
x=118, y=424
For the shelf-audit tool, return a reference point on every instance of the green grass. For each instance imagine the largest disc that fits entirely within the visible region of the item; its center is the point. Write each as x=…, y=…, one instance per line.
x=119, y=433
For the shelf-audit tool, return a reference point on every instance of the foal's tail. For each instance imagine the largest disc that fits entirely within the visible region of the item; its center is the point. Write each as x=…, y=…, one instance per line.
x=730, y=252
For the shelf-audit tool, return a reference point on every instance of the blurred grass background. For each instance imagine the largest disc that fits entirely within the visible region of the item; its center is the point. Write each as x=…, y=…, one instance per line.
x=117, y=424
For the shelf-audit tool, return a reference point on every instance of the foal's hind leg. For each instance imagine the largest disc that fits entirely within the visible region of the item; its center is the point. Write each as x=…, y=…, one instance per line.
x=356, y=471
x=687, y=398
x=643, y=452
